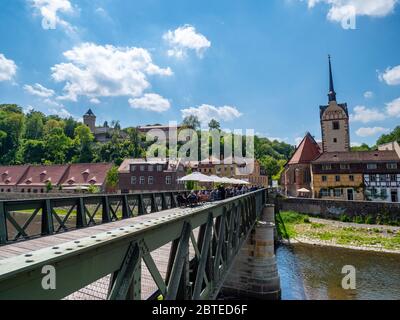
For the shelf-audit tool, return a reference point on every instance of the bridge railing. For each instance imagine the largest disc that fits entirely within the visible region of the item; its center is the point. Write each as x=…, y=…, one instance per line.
x=27, y=219
x=202, y=244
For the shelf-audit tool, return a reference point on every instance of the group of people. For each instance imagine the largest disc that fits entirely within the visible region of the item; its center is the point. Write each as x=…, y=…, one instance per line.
x=220, y=193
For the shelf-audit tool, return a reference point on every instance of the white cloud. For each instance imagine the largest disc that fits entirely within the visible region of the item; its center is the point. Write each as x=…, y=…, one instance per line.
x=206, y=113
x=50, y=11
x=368, y=95
x=96, y=71
x=8, y=68
x=393, y=108
x=365, y=115
x=95, y=101
x=62, y=113
x=38, y=90
x=186, y=38
x=368, y=132
x=391, y=76
x=341, y=9
x=150, y=102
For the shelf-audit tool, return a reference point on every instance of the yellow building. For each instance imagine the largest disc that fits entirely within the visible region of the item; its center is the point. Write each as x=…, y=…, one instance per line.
x=338, y=186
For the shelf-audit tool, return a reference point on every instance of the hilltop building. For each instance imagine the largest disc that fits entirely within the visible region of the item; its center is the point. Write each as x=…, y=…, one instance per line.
x=101, y=134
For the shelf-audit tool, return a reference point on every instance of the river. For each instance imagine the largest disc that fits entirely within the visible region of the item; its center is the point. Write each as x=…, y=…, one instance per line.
x=314, y=273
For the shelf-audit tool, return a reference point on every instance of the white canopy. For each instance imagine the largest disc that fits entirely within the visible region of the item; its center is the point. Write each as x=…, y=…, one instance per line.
x=303, y=190
x=197, y=176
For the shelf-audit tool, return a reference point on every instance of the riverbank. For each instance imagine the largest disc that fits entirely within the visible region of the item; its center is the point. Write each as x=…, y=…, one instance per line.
x=300, y=228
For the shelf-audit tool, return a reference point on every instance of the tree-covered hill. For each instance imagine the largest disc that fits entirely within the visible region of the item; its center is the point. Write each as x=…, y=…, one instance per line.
x=35, y=138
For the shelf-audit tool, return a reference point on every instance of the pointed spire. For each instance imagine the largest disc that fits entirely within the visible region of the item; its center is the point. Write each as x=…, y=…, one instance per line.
x=332, y=93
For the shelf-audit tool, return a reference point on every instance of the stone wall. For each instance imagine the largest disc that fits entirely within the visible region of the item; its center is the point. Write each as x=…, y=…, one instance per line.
x=336, y=209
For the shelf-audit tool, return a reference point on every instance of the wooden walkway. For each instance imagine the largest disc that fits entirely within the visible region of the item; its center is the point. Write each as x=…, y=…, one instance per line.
x=98, y=290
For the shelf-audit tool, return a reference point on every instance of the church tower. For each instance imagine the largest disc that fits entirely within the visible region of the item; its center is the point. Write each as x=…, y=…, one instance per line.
x=334, y=122
x=89, y=119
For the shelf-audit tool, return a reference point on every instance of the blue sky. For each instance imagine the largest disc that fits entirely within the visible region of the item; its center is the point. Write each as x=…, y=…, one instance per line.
x=257, y=64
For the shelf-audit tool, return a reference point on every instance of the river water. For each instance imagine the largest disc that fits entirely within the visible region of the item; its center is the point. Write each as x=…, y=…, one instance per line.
x=314, y=273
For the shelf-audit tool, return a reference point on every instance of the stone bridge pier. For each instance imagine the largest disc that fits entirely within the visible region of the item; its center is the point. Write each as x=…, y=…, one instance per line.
x=254, y=274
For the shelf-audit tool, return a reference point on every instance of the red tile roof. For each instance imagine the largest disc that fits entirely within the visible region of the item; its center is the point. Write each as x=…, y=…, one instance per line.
x=41, y=175
x=10, y=175
x=86, y=174
x=358, y=156
x=307, y=151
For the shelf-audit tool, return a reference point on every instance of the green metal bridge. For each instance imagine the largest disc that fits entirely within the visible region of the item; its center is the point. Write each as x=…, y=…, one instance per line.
x=122, y=246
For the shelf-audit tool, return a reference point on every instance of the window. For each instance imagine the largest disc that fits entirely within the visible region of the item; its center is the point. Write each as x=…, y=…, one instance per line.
x=159, y=168
x=382, y=178
x=336, y=125
x=384, y=193
x=337, y=178
x=334, y=140
x=324, y=193
x=142, y=180
x=338, y=192
x=391, y=166
x=168, y=180
x=372, y=166
x=324, y=178
x=142, y=168
x=351, y=178
x=22, y=190
x=133, y=180
x=133, y=168
x=150, y=180
x=344, y=166
x=326, y=167
x=393, y=178
x=372, y=178
x=151, y=168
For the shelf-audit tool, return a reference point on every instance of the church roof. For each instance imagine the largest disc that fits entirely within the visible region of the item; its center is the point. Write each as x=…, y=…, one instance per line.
x=307, y=151
x=89, y=113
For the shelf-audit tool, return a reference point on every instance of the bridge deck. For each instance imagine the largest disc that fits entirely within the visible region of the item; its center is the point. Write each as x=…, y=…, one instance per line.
x=99, y=289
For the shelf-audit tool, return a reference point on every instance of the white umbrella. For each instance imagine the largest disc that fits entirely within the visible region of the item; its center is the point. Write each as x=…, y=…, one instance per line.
x=197, y=176
x=237, y=181
x=304, y=190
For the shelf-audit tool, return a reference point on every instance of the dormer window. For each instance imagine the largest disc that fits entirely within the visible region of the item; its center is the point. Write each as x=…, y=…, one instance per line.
x=93, y=180
x=87, y=171
x=71, y=181
x=43, y=173
x=48, y=180
x=326, y=167
x=5, y=173
x=29, y=181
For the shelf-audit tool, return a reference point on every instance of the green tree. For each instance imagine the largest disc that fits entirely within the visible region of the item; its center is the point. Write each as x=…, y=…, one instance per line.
x=270, y=165
x=214, y=125
x=363, y=147
x=83, y=142
x=34, y=125
x=52, y=124
x=70, y=126
x=11, y=130
x=192, y=122
x=57, y=146
x=391, y=137
x=33, y=151
x=112, y=178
